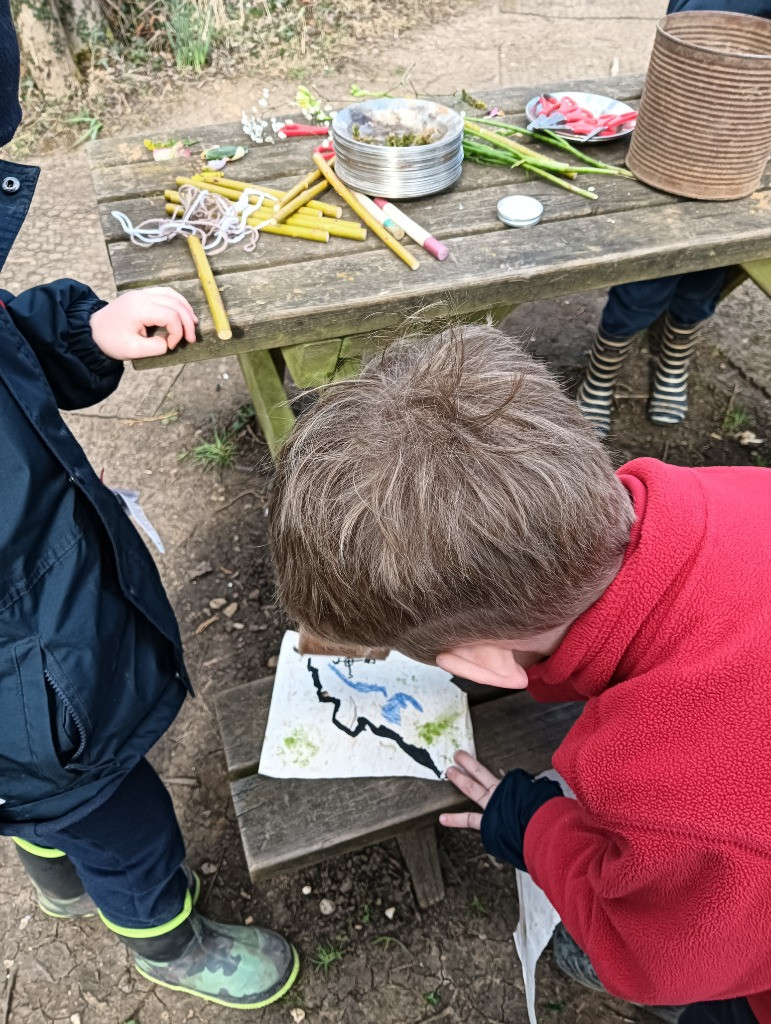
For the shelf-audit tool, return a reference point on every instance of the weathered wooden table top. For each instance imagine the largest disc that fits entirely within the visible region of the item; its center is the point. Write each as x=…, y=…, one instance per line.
x=290, y=291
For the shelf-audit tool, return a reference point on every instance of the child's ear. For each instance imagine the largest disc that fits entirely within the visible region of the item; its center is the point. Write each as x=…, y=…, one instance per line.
x=487, y=664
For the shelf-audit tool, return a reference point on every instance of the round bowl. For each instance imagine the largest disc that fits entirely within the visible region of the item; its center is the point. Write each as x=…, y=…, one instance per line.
x=592, y=102
x=519, y=211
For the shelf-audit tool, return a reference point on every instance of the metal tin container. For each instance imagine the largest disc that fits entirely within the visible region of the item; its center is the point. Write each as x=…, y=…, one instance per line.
x=398, y=148
x=704, y=128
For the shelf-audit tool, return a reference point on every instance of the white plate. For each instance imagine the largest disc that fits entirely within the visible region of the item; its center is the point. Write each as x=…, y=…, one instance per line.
x=592, y=102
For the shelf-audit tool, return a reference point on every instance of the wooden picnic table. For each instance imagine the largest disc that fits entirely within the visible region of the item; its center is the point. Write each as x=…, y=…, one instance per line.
x=316, y=308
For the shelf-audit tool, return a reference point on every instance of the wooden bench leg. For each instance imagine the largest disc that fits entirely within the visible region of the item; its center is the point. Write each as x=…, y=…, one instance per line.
x=421, y=855
x=760, y=272
x=267, y=390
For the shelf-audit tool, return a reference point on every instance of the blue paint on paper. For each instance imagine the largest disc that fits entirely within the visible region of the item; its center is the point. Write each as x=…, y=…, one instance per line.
x=361, y=687
x=392, y=710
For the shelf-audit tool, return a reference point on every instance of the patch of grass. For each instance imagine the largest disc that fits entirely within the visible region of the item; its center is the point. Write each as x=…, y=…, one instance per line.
x=758, y=460
x=432, y=998
x=386, y=941
x=326, y=955
x=736, y=419
x=476, y=906
x=92, y=126
x=366, y=914
x=189, y=32
x=219, y=453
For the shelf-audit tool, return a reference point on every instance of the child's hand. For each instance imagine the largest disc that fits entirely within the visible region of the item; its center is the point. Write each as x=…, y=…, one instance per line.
x=475, y=782
x=120, y=328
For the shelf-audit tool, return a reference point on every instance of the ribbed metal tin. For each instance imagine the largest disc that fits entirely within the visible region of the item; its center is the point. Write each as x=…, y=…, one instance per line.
x=704, y=129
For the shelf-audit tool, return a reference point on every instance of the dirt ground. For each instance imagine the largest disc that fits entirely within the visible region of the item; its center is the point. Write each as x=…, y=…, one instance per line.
x=454, y=962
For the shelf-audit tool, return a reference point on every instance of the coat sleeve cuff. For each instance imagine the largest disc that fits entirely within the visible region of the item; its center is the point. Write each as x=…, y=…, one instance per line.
x=516, y=799
x=80, y=340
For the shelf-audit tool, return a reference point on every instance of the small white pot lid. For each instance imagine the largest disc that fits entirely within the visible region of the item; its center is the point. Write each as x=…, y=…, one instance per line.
x=520, y=210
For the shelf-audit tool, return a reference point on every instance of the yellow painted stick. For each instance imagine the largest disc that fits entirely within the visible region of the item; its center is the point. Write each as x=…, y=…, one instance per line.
x=269, y=205
x=345, y=193
x=210, y=289
x=306, y=182
x=303, y=230
x=214, y=176
x=281, y=213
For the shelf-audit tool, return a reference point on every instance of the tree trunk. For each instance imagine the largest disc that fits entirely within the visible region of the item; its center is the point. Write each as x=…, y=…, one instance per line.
x=83, y=23
x=45, y=48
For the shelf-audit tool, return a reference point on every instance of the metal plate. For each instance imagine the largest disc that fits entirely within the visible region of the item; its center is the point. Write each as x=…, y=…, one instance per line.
x=397, y=171
x=592, y=102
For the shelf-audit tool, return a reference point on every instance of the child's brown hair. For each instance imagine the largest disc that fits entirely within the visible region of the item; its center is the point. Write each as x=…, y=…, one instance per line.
x=450, y=494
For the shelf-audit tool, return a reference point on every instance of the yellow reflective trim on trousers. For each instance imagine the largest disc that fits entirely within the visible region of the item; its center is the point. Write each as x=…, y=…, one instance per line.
x=159, y=929
x=38, y=851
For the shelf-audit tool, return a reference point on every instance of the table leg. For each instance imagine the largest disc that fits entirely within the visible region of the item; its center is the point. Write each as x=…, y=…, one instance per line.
x=274, y=414
x=760, y=272
x=421, y=855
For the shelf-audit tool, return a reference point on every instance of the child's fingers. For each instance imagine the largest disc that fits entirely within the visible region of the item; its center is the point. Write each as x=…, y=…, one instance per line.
x=465, y=819
x=476, y=770
x=167, y=317
x=171, y=294
x=180, y=307
x=469, y=786
x=143, y=347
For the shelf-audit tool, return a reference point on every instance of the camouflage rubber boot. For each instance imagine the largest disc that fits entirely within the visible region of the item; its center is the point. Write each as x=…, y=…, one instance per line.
x=232, y=965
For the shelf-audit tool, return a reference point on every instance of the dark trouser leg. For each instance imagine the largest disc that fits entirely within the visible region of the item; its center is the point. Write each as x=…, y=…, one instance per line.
x=129, y=855
x=694, y=301
x=573, y=962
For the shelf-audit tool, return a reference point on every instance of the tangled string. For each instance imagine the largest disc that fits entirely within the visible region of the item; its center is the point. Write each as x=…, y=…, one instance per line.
x=217, y=221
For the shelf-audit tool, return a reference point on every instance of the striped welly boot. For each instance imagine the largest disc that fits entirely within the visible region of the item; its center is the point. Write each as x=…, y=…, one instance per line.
x=669, y=398
x=595, y=396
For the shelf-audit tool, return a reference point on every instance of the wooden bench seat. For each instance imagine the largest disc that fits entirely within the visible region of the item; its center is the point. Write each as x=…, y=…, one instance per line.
x=287, y=824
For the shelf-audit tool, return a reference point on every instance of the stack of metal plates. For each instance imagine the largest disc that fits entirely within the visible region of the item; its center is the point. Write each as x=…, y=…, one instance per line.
x=398, y=148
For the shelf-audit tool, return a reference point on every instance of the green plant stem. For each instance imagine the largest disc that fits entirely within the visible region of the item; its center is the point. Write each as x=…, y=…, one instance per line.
x=495, y=139
x=561, y=181
x=551, y=139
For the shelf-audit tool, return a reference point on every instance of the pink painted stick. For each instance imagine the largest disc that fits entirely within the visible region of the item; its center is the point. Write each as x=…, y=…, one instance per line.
x=415, y=231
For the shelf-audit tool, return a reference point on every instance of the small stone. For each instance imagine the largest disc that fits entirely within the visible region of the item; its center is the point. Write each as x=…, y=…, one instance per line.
x=273, y=661
x=24, y=921
x=75, y=1018
x=389, y=912
x=346, y=885
x=297, y=1014
x=238, y=625
x=326, y=907
x=231, y=609
x=245, y=895
x=307, y=890
x=358, y=927
x=249, y=920
x=378, y=902
x=254, y=595
x=217, y=602
x=7, y=964
x=207, y=868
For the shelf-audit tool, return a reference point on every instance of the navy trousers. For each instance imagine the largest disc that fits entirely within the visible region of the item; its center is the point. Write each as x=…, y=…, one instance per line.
x=689, y=299
x=725, y=1011
x=129, y=853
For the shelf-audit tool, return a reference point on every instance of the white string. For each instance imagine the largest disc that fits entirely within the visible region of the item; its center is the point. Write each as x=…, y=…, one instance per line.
x=217, y=221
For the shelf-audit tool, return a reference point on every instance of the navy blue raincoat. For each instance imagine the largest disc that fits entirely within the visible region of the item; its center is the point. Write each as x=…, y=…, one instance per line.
x=91, y=668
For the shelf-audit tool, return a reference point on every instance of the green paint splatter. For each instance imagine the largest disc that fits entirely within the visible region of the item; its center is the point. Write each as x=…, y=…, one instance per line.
x=429, y=732
x=300, y=748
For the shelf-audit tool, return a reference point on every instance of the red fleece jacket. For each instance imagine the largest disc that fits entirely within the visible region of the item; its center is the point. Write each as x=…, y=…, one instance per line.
x=661, y=869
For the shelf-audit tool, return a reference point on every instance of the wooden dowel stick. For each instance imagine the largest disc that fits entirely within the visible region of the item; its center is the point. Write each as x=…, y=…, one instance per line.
x=345, y=193
x=305, y=197
x=214, y=176
x=210, y=289
x=308, y=229
x=234, y=195
x=306, y=182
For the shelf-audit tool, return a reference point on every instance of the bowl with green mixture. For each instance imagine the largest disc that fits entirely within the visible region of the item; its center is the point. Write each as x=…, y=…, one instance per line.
x=398, y=148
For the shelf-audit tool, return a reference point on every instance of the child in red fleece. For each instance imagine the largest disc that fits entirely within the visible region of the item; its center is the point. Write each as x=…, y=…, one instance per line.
x=453, y=504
